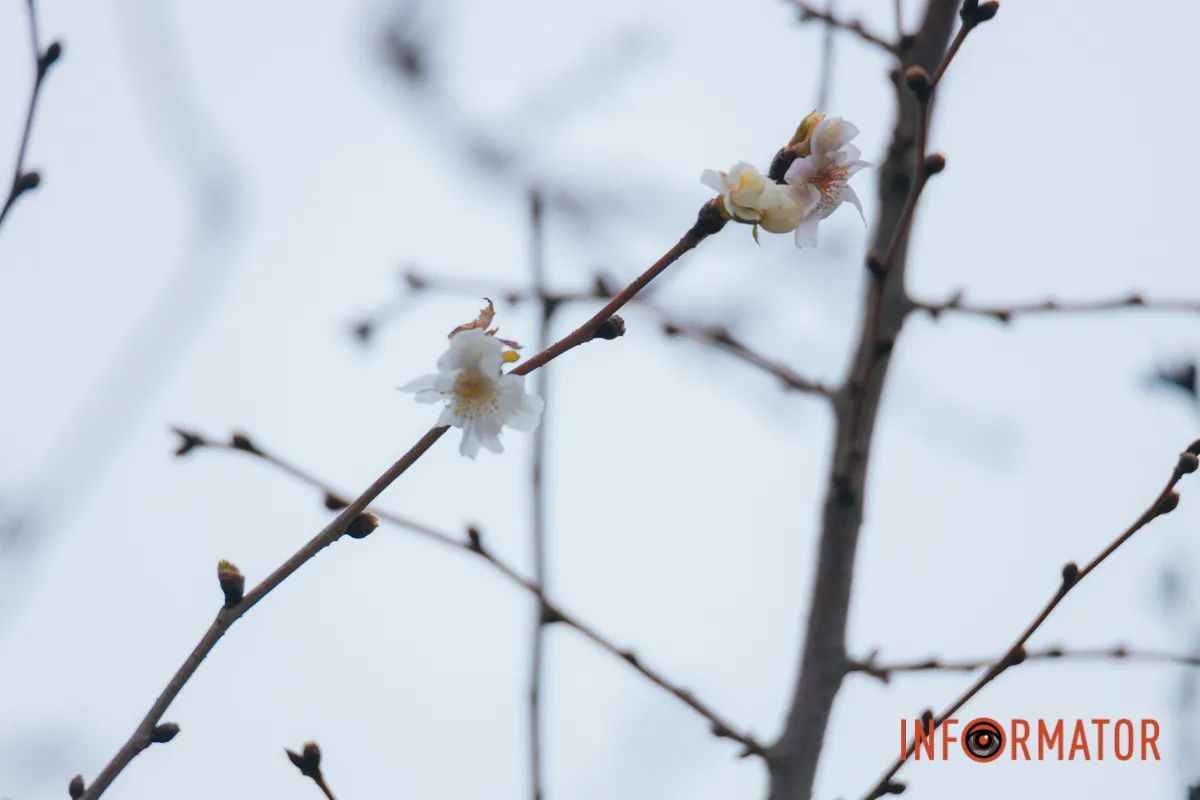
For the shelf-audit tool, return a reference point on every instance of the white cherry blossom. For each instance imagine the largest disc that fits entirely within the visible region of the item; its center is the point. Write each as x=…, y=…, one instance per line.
x=822, y=174
x=479, y=397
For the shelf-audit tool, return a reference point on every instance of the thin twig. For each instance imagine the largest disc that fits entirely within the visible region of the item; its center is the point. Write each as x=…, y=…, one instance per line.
x=1165, y=502
x=854, y=26
x=884, y=671
x=537, y=493
x=825, y=75
x=474, y=544
x=23, y=181
x=709, y=221
x=1005, y=313
x=721, y=338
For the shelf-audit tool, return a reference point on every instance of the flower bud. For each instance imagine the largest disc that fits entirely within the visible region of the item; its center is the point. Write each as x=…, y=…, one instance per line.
x=232, y=582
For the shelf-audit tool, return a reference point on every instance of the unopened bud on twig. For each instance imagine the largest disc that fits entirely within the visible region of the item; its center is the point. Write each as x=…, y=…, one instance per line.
x=333, y=502
x=475, y=539
x=934, y=163
x=233, y=583
x=76, y=787
x=240, y=441
x=1070, y=574
x=1169, y=503
x=611, y=328
x=362, y=525
x=1188, y=462
x=917, y=80
x=164, y=733
x=308, y=760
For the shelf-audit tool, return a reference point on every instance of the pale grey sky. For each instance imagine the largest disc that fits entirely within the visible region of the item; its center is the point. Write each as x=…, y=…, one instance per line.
x=685, y=489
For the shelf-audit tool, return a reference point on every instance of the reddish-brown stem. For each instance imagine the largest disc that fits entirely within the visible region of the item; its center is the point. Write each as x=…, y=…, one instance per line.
x=708, y=222
x=551, y=610
x=1072, y=576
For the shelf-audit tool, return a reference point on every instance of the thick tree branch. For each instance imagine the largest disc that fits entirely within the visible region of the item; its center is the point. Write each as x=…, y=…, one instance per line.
x=955, y=304
x=473, y=544
x=22, y=180
x=793, y=758
x=1164, y=503
x=709, y=221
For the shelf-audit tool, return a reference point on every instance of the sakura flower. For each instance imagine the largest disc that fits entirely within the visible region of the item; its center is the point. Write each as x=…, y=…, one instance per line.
x=820, y=174
x=479, y=398
x=749, y=196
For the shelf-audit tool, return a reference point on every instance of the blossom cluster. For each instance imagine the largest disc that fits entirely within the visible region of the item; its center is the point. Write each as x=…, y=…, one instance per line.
x=814, y=185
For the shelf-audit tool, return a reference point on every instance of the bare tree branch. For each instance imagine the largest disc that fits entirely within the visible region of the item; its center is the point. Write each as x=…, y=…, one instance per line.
x=884, y=671
x=855, y=26
x=708, y=221
x=22, y=180
x=473, y=544
x=537, y=492
x=1164, y=503
x=672, y=325
x=955, y=304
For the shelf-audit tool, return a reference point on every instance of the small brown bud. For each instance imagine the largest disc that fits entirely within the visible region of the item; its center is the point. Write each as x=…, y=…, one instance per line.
x=334, y=503
x=1016, y=657
x=1070, y=574
x=232, y=582
x=308, y=760
x=1169, y=503
x=76, y=787
x=164, y=733
x=362, y=525
x=240, y=441
x=1188, y=462
x=475, y=539
x=611, y=328
x=917, y=80
x=53, y=53
x=986, y=11
x=892, y=787
x=1194, y=448
x=27, y=182
x=927, y=721
x=934, y=163
x=710, y=220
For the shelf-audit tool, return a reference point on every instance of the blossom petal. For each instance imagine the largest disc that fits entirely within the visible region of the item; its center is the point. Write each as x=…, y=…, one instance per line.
x=806, y=231
x=848, y=195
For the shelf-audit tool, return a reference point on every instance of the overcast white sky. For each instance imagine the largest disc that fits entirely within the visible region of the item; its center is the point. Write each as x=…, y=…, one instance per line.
x=685, y=489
